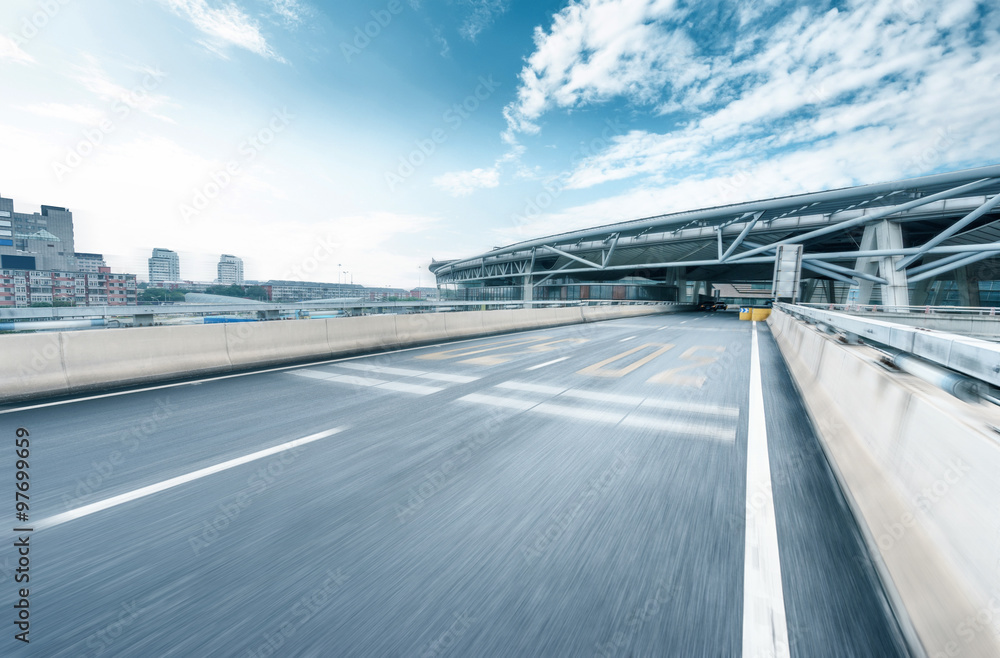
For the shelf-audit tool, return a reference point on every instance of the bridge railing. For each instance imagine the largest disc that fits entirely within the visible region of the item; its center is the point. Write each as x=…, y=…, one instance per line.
x=925, y=309
x=979, y=359
x=21, y=319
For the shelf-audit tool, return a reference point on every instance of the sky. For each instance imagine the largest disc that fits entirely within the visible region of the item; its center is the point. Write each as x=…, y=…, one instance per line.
x=326, y=141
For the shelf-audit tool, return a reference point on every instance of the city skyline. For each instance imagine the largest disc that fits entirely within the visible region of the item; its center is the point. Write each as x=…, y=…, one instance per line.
x=389, y=133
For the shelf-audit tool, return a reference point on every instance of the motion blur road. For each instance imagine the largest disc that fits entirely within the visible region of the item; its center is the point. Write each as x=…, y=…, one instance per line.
x=578, y=491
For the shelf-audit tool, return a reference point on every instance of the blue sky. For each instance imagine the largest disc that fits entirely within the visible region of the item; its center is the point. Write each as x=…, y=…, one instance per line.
x=303, y=135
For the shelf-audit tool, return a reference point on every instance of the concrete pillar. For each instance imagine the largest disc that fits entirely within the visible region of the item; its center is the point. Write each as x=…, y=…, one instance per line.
x=890, y=236
x=529, y=290
x=682, y=286
x=881, y=235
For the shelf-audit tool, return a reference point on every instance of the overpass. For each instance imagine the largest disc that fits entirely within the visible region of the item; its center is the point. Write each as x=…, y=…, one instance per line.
x=893, y=243
x=613, y=479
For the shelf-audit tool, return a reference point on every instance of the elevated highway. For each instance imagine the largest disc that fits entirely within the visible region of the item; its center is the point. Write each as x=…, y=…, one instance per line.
x=649, y=485
x=577, y=490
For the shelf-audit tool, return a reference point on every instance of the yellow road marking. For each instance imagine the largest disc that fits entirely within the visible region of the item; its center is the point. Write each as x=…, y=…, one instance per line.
x=697, y=381
x=598, y=370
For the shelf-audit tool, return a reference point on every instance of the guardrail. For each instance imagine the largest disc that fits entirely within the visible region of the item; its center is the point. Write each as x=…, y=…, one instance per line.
x=149, y=311
x=976, y=358
x=926, y=309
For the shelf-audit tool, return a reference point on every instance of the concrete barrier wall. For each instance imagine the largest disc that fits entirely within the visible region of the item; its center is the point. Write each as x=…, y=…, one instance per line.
x=43, y=365
x=922, y=472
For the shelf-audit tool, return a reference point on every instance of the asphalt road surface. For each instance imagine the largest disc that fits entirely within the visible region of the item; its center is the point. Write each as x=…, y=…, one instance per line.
x=577, y=491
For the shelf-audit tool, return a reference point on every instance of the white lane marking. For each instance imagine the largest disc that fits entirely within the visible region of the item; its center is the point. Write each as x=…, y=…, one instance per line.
x=358, y=381
x=315, y=374
x=683, y=321
x=614, y=398
x=403, y=387
x=577, y=413
x=497, y=401
x=611, y=417
x=547, y=363
x=114, y=501
x=765, y=631
x=195, y=382
x=382, y=370
x=717, y=432
x=667, y=327
x=447, y=377
x=532, y=388
x=625, y=339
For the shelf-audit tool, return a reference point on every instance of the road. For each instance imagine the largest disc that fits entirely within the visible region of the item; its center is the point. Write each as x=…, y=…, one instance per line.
x=577, y=491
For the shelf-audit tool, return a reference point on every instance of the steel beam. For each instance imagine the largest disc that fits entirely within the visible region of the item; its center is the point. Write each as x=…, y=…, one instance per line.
x=611, y=250
x=950, y=231
x=953, y=265
x=781, y=203
x=934, y=263
x=850, y=223
x=741, y=237
x=576, y=258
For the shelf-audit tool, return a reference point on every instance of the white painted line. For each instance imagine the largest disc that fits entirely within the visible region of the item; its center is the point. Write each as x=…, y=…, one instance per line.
x=705, y=430
x=406, y=372
x=447, y=377
x=547, y=363
x=576, y=413
x=359, y=381
x=314, y=374
x=765, y=631
x=114, y=501
x=625, y=339
x=613, y=398
x=683, y=321
x=403, y=387
x=711, y=409
x=382, y=370
x=532, y=388
x=717, y=432
x=497, y=401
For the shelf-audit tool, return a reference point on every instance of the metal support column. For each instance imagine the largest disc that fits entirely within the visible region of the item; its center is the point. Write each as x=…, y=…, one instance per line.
x=861, y=292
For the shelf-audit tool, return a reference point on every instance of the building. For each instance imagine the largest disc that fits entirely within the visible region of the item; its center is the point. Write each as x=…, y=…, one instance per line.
x=230, y=270
x=164, y=265
x=90, y=263
x=21, y=288
x=297, y=291
x=47, y=237
x=916, y=241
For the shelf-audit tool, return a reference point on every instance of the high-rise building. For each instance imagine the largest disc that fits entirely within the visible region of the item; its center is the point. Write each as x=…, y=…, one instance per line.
x=164, y=265
x=230, y=270
x=47, y=237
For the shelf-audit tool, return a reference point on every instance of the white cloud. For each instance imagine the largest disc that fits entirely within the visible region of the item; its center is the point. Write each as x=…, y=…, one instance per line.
x=140, y=96
x=596, y=50
x=463, y=183
x=825, y=78
x=227, y=25
x=484, y=12
x=11, y=51
x=86, y=115
x=868, y=93
x=291, y=12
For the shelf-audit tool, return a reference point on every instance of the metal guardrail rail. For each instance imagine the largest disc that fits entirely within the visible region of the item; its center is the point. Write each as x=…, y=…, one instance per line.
x=926, y=309
x=195, y=309
x=975, y=358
